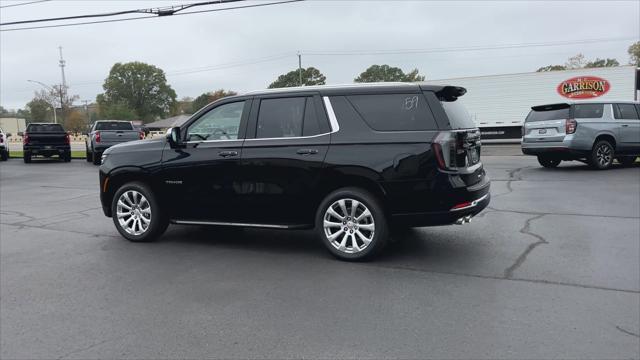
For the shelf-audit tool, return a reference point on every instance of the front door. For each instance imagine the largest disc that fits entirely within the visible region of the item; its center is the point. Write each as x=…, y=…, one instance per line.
x=199, y=178
x=282, y=159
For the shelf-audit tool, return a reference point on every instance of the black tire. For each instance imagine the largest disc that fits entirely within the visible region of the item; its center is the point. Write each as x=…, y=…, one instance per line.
x=378, y=239
x=26, y=157
x=626, y=160
x=602, y=154
x=96, y=157
x=66, y=156
x=548, y=162
x=4, y=155
x=158, y=220
x=89, y=156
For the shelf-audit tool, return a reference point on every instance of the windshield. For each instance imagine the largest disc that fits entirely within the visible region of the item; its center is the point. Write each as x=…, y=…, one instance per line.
x=114, y=125
x=459, y=117
x=36, y=128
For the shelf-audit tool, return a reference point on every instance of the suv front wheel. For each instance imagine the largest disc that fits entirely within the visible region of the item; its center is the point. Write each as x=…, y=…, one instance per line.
x=137, y=214
x=352, y=224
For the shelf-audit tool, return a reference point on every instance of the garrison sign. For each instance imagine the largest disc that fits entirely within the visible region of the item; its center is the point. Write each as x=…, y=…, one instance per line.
x=583, y=87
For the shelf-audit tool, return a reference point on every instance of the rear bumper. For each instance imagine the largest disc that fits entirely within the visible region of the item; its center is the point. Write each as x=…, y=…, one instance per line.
x=475, y=198
x=556, y=149
x=47, y=149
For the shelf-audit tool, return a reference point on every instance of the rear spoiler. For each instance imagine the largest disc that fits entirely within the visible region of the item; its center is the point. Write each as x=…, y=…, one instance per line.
x=550, y=107
x=450, y=93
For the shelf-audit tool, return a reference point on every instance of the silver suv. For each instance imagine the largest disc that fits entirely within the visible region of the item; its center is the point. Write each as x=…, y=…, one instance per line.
x=592, y=132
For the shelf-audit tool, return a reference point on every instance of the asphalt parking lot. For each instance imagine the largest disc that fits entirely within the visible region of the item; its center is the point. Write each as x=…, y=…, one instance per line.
x=550, y=270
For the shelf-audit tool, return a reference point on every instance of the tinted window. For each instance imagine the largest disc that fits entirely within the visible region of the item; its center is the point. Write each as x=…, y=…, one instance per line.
x=220, y=123
x=543, y=115
x=310, y=125
x=394, y=112
x=34, y=128
x=589, y=111
x=459, y=117
x=114, y=125
x=626, y=111
x=280, y=117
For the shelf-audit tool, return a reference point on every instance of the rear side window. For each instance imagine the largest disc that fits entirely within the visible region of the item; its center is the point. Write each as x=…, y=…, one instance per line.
x=278, y=118
x=35, y=128
x=114, y=125
x=625, y=111
x=459, y=117
x=394, y=112
x=588, y=111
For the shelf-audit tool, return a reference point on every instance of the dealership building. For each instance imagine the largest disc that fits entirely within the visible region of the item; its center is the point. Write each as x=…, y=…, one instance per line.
x=500, y=103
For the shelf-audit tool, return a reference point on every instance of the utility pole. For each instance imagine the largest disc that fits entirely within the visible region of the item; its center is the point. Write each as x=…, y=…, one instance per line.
x=300, y=67
x=63, y=86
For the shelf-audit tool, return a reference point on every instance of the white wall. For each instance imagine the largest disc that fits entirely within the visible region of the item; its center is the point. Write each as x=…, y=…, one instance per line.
x=505, y=100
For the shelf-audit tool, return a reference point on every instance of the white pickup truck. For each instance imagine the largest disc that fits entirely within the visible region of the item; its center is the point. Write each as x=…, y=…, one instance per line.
x=106, y=133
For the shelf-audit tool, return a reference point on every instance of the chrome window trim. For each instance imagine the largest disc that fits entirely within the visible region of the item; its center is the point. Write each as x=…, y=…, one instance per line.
x=212, y=141
x=333, y=121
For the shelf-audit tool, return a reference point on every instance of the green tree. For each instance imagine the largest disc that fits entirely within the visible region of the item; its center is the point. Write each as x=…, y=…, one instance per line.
x=598, y=63
x=209, y=97
x=634, y=54
x=386, y=73
x=75, y=122
x=40, y=110
x=552, y=68
x=139, y=87
x=114, y=111
x=310, y=76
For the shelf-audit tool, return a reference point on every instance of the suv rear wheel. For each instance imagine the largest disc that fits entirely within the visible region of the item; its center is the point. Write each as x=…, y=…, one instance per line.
x=137, y=214
x=548, y=162
x=352, y=224
x=602, y=155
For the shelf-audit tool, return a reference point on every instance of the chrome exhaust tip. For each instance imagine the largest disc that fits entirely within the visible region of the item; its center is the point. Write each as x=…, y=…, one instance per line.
x=463, y=220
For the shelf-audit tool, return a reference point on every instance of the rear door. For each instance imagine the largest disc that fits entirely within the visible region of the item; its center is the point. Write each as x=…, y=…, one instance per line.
x=282, y=158
x=546, y=123
x=629, y=125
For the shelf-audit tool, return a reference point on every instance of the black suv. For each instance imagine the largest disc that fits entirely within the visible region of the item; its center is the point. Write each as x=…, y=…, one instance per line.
x=355, y=162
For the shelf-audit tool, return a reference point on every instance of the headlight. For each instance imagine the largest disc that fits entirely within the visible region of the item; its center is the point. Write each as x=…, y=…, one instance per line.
x=103, y=158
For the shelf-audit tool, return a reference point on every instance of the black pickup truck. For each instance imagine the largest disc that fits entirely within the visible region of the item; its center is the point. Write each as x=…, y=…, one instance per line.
x=46, y=139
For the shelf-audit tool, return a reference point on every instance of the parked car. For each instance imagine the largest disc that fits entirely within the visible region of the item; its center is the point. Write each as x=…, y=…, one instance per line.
x=355, y=162
x=106, y=133
x=45, y=139
x=592, y=132
x=4, y=145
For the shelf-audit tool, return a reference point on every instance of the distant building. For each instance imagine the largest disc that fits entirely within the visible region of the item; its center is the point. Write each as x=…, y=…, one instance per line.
x=12, y=125
x=499, y=103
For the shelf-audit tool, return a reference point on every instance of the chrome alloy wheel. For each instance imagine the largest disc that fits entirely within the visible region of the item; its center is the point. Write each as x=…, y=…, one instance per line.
x=133, y=212
x=604, y=154
x=349, y=226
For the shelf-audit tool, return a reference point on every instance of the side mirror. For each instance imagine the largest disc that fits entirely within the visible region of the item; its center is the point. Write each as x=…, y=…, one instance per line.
x=20, y=133
x=174, y=138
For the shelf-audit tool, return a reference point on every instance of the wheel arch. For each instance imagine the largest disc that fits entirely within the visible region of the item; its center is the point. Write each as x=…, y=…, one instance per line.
x=605, y=136
x=367, y=182
x=121, y=176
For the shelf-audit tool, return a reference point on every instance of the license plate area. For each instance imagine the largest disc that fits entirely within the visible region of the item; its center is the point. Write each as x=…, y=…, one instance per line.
x=542, y=131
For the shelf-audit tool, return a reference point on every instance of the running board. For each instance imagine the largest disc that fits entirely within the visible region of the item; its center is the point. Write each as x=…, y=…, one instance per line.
x=220, y=223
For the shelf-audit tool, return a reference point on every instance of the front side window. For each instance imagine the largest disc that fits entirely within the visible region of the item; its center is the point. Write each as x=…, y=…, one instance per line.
x=220, y=123
x=280, y=118
x=588, y=111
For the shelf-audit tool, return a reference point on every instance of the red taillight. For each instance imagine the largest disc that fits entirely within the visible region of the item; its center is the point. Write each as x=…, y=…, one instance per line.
x=570, y=126
x=25, y=138
x=141, y=135
x=97, y=136
x=462, y=205
x=67, y=139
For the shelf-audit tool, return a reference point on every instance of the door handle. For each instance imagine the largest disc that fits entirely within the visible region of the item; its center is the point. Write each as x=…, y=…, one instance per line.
x=625, y=125
x=228, y=153
x=306, y=151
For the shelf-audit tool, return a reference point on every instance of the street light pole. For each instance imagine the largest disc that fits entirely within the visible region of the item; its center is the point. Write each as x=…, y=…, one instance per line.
x=53, y=106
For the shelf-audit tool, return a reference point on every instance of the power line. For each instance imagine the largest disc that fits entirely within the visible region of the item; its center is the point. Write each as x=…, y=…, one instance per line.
x=466, y=48
x=151, y=17
x=24, y=3
x=161, y=11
